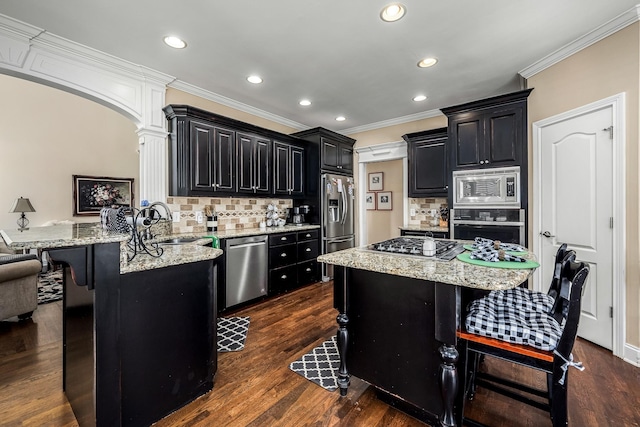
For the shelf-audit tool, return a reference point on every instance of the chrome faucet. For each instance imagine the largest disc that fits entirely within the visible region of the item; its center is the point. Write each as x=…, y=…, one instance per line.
x=166, y=208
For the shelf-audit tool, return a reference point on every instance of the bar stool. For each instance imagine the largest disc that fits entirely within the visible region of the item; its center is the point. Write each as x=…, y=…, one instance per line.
x=529, y=337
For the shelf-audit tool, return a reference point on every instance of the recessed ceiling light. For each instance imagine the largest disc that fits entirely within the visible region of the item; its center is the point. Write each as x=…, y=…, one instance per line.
x=254, y=79
x=175, y=42
x=305, y=102
x=427, y=62
x=392, y=12
x=419, y=98
x=341, y=118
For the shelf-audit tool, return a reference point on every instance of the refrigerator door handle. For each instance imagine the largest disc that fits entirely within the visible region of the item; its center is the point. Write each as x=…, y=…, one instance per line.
x=346, y=239
x=345, y=208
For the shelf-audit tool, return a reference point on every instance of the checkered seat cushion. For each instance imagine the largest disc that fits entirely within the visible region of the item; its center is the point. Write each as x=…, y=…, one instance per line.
x=513, y=323
x=522, y=297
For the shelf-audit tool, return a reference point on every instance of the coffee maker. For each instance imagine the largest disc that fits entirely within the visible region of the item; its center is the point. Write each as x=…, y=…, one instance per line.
x=298, y=217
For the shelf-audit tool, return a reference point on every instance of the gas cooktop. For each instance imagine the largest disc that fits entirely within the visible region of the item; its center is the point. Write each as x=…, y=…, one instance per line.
x=446, y=250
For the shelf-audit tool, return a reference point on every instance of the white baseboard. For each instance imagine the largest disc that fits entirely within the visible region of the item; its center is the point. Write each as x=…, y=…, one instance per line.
x=631, y=355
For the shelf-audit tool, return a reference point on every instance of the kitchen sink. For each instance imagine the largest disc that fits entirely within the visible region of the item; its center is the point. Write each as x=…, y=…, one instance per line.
x=179, y=241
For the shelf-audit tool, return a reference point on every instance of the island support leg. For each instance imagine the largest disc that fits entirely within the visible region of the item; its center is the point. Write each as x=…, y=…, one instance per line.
x=343, y=339
x=341, y=303
x=448, y=383
x=447, y=306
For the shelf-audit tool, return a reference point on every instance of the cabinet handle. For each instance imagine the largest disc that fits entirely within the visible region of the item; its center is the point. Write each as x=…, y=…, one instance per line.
x=283, y=238
x=284, y=276
x=283, y=255
x=308, y=249
x=308, y=235
x=308, y=269
x=482, y=162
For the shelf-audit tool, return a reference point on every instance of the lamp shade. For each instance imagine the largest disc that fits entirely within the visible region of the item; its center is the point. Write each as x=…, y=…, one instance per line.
x=22, y=205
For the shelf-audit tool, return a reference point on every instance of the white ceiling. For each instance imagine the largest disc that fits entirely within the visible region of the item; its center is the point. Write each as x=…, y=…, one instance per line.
x=338, y=54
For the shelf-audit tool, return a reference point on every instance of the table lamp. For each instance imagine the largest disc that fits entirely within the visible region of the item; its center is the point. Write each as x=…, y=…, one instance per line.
x=22, y=205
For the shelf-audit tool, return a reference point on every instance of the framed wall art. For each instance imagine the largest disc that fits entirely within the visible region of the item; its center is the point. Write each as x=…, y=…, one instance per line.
x=384, y=201
x=370, y=201
x=376, y=181
x=92, y=193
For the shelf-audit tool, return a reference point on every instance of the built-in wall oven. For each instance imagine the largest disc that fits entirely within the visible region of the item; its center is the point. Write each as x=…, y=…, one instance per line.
x=486, y=203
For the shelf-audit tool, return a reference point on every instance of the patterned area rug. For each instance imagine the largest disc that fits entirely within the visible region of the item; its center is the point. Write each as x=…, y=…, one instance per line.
x=232, y=332
x=320, y=365
x=49, y=287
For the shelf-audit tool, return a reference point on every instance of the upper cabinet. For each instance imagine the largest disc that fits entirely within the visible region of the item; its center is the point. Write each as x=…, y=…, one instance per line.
x=254, y=164
x=335, y=150
x=213, y=155
x=488, y=133
x=288, y=169
x=427, y=159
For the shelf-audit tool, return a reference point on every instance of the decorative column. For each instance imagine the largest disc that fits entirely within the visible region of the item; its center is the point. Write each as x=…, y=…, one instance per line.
x=153, y=166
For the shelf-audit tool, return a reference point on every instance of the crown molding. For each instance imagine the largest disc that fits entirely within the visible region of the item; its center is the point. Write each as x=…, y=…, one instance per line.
x=392, y=122
x=220, y=99
x=621, y=21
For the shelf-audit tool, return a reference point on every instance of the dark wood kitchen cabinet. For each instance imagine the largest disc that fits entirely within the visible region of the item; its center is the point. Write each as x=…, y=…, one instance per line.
x=292, y=260
x=335, y=151
x=213, y=155
x=428, y=163
x=288, y=169
x=254, y=164
x=489, y=133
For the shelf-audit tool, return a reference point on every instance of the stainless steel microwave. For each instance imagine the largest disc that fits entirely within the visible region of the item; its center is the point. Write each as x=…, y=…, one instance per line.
x=494, y=187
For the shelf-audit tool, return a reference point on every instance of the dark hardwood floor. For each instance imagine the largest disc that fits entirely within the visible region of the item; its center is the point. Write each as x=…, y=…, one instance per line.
x=254, y=387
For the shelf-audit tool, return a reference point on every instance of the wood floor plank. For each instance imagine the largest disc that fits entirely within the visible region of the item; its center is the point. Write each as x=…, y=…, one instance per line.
x=255, y=387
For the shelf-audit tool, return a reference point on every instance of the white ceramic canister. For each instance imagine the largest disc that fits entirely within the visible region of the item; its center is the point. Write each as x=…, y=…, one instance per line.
x=429, y=247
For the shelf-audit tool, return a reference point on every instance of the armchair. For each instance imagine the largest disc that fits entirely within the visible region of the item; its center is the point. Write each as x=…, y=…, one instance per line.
x=18, y=284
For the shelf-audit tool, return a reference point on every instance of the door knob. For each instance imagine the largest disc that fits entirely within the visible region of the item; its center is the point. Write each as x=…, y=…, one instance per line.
x=547, y=234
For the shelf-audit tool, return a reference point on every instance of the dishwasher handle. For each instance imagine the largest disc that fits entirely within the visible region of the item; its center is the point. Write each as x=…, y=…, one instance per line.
x=245, y=245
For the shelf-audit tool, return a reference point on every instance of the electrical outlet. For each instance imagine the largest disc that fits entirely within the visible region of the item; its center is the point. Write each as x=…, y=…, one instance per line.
x=176, y=216
x=199, y=217
x=412, y=212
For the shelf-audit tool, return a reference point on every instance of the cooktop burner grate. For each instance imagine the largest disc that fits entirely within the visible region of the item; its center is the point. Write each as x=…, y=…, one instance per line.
x=445, y=249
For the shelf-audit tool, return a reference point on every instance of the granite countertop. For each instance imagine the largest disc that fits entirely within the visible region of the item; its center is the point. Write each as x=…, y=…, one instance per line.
x=171, y=255
x=435, y=228
x=454, y=272
x=59, y=236
x=259, y=231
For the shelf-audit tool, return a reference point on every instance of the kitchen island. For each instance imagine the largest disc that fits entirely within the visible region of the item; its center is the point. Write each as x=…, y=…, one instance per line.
x=139, y=337
x=397, y=324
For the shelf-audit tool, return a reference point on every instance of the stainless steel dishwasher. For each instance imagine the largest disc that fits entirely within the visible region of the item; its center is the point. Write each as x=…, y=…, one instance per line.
x=247, y=269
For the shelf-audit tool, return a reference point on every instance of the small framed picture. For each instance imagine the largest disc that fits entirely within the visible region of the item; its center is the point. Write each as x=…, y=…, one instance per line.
x=92, y=193
x=376, y=181
x=384, y=200
x=370, y=201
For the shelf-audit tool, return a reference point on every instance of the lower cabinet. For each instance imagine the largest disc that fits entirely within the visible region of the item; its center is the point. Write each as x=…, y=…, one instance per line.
x=292, y=260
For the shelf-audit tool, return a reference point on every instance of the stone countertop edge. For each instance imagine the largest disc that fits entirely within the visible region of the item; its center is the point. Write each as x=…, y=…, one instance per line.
x=60, y=236
x=435, y=228
x=454, y=272
x=172, y=255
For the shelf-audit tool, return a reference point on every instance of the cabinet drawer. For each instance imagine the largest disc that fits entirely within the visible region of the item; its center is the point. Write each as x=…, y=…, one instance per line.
x=283, y=279
x=307, y=272
x=282, y=255
x=307, y=235
x=282, y=239
x=307, y=250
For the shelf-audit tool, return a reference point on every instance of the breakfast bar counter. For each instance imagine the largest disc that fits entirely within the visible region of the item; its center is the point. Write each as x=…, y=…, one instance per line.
x=139, y=334
x=397, y=325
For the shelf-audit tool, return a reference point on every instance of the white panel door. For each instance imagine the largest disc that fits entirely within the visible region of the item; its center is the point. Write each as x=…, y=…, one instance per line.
x=577, y=209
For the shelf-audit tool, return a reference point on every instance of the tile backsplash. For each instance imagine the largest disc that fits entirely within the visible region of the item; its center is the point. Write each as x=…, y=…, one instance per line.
x=233, y=212
x=422, y=207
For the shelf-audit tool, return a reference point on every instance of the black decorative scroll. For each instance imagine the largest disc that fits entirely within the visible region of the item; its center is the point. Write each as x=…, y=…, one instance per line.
x=142, y=239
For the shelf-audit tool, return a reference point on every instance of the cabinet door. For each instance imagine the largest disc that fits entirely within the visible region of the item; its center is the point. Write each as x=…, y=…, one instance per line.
x=281, y=168
x=467, y=139
x=262, y=166
x=201, y=137
x=503, y=141
x=296, y=170
x=330, y=153
x=346, y=158
x=428, y=171
x=224, y=160
x=245, y=163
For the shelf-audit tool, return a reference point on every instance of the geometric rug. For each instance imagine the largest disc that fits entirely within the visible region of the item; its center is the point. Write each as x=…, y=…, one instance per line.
x=232, y=332
x=49, y=287
x=320, y=365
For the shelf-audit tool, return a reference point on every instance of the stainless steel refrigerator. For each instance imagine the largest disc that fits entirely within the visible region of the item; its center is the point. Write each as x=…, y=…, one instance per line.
x=337, y=216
